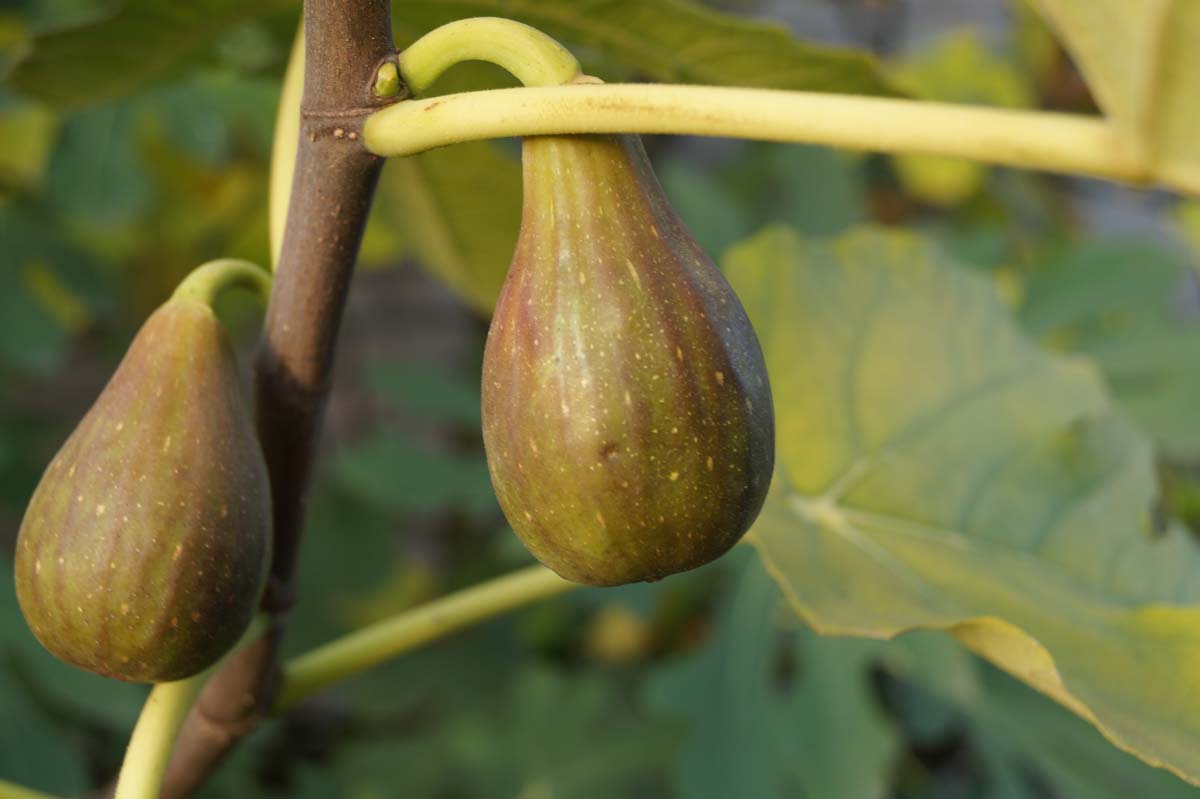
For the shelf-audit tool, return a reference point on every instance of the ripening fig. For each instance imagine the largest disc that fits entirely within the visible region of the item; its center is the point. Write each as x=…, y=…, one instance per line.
x=143, y=553
x=627, y=415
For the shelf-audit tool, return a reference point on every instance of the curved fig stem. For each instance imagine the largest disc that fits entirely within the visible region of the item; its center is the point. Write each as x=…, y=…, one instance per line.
x=1028, y=139
x=207, y=281
x=157, y=727
x=372, y=645
x=285, y=144
x=154, y=737
x=533, y=57
x=10, y=790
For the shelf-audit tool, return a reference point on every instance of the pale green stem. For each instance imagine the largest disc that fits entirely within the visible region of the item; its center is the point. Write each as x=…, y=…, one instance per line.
x=208, y=280
x=532, y=56
x=286, y=143
x=157, y=727
x=371, y=645
x=1027, y=139
x=10, y=790
x=154, y=737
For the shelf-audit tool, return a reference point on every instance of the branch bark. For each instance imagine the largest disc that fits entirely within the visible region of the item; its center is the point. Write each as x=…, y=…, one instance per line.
x=346, y=41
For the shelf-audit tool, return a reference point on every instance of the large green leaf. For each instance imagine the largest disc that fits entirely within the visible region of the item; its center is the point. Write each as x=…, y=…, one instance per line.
x=1142, y=64
x=938, y=470
x=1014, y=726
x=1122, y=304
x=672, y=40
x=141, y=42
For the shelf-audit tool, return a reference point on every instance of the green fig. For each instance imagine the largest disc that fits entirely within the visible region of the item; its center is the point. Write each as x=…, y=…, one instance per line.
x=627, y=415
x=143, y=552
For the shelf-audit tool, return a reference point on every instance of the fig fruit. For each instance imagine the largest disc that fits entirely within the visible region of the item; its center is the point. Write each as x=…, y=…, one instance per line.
x=143, y=552
x=627, y=415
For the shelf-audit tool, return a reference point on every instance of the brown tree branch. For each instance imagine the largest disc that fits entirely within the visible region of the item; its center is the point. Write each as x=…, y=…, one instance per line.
x=346, y=41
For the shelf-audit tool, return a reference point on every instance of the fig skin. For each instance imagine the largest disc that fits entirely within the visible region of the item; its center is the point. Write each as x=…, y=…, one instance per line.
x=143, y=552
x=627, y=414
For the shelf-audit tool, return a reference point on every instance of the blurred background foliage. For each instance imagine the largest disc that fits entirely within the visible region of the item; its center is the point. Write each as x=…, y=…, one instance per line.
x=134, y=141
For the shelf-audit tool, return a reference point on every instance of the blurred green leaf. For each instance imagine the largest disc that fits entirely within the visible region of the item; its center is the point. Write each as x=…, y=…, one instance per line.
x=1134, y=308
x=1142, y=65
x=959, y=69
x=429, y=393
x=392, y=473
x=935, y=469
x=39, y=291
x=95, y=179
x=350, y=547
x=27, y=133
x=673, y=41
x=567, y=735
x=749, y=735
x=34, y=752
x=726, y=696
x=832, y=730
x=460, y=208
x=705, y=205
x=137, y=44
x=814, y=189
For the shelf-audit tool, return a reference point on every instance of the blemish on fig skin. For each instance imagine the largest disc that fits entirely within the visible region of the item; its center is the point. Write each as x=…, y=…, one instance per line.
x=609, y=450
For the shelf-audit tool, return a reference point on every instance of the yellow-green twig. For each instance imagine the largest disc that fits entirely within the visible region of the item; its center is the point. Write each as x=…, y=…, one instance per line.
x=208, y=280
x=386, y=639
x=533, y=57
x=1027, y=139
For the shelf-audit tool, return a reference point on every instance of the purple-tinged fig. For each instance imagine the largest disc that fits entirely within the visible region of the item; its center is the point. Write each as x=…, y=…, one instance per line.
x=143, y=553
x=627, y=415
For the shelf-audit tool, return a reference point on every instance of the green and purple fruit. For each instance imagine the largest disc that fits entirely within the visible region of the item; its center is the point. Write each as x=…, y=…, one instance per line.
x=627, y=415
x=143, y=553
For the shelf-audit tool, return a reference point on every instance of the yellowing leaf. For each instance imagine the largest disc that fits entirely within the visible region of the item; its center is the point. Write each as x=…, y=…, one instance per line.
x=1141, y=62
x=937, y=470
